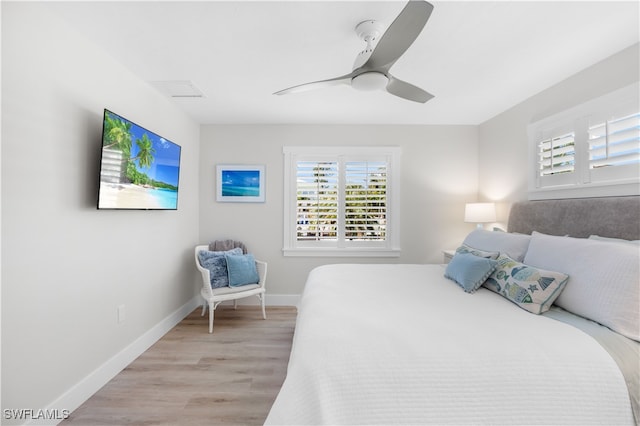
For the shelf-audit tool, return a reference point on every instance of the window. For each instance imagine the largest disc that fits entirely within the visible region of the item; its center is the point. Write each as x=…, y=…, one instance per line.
x=341, y=201
x=590, y=150
x=557, y=157
x=614, y=147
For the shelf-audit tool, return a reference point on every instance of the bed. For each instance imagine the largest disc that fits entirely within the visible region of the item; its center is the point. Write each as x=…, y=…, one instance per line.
x=455, y=344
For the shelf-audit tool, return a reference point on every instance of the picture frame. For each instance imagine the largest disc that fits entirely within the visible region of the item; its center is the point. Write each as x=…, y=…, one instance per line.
x=240, y=183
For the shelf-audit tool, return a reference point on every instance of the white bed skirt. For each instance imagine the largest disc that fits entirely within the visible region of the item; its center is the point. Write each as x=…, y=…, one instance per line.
x=401, y=344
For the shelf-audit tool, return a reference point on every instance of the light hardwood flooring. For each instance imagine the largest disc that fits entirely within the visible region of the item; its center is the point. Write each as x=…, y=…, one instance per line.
x=191, y=377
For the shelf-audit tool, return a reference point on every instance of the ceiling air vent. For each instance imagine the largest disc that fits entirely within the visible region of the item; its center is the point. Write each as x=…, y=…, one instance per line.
x=178, y=88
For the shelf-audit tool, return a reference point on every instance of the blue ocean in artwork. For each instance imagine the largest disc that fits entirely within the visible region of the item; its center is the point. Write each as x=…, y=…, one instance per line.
x=240, y=183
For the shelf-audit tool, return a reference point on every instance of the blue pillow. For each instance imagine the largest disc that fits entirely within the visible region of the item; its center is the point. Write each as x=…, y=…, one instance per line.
x=242, y=270
x=216, y=263
x=469, y=271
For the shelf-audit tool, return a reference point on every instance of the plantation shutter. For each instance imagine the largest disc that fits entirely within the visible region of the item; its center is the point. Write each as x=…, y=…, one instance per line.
x=557, y=154
x=615, y=142
x=365, y=200
x=317, y=201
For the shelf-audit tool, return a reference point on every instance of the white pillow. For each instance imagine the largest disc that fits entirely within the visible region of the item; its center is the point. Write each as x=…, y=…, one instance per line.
x=513, y=245
x=604, y=279
x=614, y=240
x=480, y=253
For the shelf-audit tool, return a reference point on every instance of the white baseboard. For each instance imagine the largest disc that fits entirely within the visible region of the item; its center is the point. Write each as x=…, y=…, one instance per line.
x=84, y=389
x=282, y=299
x=272, y=300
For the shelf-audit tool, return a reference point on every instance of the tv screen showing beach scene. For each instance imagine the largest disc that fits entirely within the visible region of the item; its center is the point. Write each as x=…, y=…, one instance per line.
x=139, y=169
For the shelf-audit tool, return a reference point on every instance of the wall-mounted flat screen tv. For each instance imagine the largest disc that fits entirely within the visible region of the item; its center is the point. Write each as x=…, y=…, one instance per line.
x=139, y=170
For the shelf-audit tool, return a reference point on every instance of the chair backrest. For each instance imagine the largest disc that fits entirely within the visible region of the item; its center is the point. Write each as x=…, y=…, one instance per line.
x=206, y=275
x=223, y=245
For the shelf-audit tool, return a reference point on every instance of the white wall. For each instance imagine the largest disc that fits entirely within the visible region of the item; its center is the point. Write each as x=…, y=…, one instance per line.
x=503, y=152
x=65, y=265
x=438, y=175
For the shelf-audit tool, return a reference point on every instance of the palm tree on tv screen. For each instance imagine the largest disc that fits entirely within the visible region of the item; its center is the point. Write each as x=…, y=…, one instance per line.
x=145, y=153
x=117, y=134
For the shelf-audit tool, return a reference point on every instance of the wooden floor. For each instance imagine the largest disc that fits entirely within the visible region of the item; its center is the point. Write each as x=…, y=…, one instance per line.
x=191, y=377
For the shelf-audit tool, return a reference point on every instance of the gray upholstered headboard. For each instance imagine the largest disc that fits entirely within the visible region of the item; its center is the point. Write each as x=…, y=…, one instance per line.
x=617, y=217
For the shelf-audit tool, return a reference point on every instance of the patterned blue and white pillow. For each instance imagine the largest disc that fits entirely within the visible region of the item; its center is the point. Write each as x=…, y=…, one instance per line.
x=216, y=263
x=532, y=289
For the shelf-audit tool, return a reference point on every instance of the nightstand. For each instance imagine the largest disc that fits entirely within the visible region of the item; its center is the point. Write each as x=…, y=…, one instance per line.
x=448, y=254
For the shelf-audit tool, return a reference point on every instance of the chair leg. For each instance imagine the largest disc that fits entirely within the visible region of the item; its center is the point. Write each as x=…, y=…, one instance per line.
x=264, y=314
x=204, y=308
x=211, y=310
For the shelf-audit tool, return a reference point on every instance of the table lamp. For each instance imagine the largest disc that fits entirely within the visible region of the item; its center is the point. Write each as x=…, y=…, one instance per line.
x=480, y=213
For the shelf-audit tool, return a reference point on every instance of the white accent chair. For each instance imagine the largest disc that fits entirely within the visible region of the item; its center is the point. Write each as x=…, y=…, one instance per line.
x=214, y=296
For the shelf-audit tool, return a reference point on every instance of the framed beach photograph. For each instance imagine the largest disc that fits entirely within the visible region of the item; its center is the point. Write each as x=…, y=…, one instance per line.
x=240, y=183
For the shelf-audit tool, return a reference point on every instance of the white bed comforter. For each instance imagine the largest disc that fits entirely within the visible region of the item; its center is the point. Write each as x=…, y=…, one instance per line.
x=400, y=344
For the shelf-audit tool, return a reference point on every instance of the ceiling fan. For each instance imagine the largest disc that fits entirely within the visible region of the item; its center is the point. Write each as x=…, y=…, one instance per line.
x=371, y=68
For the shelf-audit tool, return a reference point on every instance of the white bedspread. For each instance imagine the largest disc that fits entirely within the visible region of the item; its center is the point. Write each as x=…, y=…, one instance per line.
x=401, y=344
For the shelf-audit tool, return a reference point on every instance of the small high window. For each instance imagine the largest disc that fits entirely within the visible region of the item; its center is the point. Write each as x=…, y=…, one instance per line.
x=590, y=150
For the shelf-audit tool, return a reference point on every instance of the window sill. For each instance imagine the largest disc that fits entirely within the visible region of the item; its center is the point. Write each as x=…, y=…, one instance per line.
x=601, y=189
x=345, y=252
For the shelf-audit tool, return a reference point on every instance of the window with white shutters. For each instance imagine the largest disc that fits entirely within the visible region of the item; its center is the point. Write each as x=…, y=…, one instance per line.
x=614, y=147
x=557, y=154
x=341, y=201
x=365, y=200
x=590, y=150
x=317, y=200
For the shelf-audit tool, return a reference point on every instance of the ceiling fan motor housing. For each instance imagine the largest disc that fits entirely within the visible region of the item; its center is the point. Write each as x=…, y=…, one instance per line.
x=369, y=81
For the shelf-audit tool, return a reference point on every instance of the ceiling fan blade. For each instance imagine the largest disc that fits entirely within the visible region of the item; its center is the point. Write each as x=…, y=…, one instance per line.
x=407, y=91
x=345, y=79
x=400, y=35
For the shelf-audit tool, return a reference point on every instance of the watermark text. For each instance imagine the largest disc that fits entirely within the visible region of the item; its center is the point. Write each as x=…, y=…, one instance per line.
x=31, y=414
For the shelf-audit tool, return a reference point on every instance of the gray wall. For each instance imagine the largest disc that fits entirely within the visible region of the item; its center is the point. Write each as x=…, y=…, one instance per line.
x=503, y=151
x=65, y=265
x=438, y=175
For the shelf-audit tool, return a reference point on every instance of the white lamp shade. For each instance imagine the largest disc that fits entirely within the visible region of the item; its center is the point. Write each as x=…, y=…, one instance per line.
x=480, y=212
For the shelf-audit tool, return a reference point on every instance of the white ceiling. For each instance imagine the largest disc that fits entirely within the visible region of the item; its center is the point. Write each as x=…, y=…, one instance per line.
x=477, y=58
